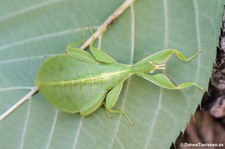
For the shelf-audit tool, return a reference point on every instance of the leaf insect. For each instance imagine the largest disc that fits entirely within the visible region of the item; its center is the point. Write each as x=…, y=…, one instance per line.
x=82, y=82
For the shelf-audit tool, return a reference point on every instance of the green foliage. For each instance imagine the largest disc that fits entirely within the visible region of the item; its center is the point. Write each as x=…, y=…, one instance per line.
x=31, y=31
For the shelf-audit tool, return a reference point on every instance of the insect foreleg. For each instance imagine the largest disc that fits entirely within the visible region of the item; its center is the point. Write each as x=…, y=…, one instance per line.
x=163, y=56
x=163, y=81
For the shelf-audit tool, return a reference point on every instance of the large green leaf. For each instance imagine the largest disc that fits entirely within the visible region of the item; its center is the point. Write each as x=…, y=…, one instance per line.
x=33, y=30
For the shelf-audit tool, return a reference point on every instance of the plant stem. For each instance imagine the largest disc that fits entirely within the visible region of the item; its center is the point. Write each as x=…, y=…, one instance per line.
x=107, y=23
x=22, y=100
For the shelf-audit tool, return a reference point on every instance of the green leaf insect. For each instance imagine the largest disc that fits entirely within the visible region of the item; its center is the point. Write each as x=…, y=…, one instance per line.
x=82, y=82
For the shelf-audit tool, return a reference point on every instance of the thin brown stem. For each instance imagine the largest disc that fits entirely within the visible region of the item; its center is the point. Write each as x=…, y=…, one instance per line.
x=107, y=23
x=16, y=105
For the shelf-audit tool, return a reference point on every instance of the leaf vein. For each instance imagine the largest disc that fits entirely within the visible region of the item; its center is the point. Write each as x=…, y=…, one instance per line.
x=16, y=88
x=45, y=36
x=25, y=124
x=132, y=14
x=197, y=27
x=34, y=7
x=53, y=129
x=26, y=58
x=78, y=133
x=156, y=114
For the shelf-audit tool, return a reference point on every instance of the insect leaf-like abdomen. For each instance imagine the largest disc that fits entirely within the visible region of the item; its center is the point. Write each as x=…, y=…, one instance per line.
x=68, y=83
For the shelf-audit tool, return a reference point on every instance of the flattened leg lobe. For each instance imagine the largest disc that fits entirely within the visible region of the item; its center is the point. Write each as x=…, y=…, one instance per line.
x=113, y=96
x=93, y=104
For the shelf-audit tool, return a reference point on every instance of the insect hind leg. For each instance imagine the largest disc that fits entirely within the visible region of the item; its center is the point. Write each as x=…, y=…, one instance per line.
x=108, y=111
